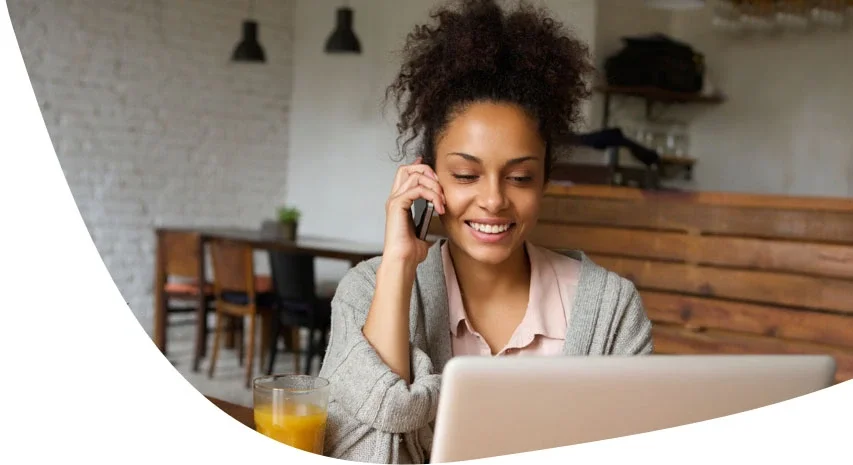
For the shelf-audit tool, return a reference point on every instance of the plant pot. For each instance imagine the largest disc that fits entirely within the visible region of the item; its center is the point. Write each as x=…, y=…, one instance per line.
x=287, y=231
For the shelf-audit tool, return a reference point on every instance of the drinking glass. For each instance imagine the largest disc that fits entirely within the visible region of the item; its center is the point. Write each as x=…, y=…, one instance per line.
x=292, y=409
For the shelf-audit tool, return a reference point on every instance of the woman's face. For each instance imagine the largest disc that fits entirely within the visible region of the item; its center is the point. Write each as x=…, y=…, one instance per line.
x=490, y=162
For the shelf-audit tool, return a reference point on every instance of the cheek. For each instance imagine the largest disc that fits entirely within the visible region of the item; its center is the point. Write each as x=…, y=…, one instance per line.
x=527, y=206
x=458, y=201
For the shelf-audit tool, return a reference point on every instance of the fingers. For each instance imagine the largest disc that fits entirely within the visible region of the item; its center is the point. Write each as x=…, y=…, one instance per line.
x=407, y=197
x=418, y=179
x=406, y=171
x=403, y=174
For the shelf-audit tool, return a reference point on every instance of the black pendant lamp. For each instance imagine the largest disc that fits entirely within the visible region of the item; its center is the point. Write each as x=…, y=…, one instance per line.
x=343, y=39
x=249, y=49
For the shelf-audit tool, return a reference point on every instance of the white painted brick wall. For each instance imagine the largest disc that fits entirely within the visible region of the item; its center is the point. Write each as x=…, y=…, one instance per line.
x=151, y=122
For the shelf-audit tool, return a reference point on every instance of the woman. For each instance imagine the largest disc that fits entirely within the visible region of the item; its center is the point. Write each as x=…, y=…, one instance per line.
x=485, y=92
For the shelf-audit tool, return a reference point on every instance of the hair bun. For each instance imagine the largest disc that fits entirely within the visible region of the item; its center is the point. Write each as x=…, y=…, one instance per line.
x=475, y=51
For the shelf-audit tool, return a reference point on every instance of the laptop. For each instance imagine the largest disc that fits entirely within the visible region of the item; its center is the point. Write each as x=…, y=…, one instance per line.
x=505, y=405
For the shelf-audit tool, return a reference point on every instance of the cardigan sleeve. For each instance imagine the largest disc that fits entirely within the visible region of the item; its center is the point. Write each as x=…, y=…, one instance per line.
x=633, y=329
x=372, y=410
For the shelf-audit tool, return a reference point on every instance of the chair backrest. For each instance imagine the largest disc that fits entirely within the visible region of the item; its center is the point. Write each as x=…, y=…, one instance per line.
x=720, y=272
x=293, y=275
x=179, y=252
x=233, y=267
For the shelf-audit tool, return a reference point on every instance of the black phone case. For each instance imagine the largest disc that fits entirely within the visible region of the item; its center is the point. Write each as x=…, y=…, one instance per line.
x=421, y=215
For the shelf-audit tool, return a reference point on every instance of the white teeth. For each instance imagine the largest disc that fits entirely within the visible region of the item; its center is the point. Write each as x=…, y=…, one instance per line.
x=490, y=228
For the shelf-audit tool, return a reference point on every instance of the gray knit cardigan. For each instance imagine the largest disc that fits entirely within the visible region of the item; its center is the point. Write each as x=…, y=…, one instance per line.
x=376, y=417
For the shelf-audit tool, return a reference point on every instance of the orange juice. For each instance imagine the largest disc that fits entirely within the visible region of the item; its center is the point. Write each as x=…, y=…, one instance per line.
x=298, y=425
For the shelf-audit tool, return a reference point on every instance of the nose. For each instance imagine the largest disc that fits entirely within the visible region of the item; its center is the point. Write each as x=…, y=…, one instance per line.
x=493, y=198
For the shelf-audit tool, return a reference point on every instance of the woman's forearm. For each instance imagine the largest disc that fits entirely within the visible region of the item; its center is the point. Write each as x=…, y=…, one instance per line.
x=387, y=323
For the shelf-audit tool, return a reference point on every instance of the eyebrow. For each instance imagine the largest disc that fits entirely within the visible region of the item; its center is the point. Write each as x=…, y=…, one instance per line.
x=474, y=159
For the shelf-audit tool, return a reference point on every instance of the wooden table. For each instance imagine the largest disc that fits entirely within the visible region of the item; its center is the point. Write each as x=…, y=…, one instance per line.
x=243, y=414
x=340, y=249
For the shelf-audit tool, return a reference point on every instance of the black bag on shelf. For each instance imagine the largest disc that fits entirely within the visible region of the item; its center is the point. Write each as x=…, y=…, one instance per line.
x=656, y=61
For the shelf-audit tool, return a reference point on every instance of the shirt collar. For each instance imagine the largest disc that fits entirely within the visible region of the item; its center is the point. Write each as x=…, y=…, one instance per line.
x=454, y=295
x=540, y=318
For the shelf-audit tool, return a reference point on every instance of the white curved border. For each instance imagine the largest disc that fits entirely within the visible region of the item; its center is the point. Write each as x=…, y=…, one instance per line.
x=82, y=380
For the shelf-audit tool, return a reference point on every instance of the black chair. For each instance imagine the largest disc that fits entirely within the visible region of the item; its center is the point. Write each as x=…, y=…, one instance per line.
x=297, y=305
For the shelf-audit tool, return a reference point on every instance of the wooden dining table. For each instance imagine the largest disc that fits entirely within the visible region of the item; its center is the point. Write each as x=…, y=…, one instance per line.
x=241, y=413
x=353, y=252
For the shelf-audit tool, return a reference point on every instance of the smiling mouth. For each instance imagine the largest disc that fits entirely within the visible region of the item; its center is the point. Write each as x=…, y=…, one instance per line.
x=490, y=228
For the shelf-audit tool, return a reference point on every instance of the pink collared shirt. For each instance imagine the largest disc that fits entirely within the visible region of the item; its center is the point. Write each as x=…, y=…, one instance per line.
x=542, y=331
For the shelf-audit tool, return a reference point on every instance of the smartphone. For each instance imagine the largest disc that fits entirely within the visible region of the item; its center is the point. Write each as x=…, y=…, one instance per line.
x=422, y=211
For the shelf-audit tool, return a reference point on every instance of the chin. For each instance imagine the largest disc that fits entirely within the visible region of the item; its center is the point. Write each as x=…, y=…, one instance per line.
x=490, y=254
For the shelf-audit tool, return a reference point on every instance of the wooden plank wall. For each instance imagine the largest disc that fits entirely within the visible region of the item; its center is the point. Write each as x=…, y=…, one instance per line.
x=720, y=272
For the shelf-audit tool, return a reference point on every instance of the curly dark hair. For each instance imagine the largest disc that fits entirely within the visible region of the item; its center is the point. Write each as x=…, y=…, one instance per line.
x=478, y=52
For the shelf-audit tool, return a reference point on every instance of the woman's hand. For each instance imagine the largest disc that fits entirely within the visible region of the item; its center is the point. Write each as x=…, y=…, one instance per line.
x=387, y=325
x=411, y=182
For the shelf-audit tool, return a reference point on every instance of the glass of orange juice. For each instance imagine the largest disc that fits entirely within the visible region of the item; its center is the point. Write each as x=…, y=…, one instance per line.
x=291, y=409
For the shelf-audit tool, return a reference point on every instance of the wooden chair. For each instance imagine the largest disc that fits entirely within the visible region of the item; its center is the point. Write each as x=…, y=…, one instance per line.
x=238, y=293
x=176, y=286
x=720, y=273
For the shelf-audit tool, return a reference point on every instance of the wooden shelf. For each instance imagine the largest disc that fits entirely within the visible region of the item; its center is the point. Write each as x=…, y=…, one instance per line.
x=680, y=161
x=672, y=167
x=654, y=97
x=660, y=95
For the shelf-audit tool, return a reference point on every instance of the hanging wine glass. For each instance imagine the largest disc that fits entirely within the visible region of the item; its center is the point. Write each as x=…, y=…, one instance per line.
x=726, y=16
x=759, y=15
x=830, y=13
x=793, y=15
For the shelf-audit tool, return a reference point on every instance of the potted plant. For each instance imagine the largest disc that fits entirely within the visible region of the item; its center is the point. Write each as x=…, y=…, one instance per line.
x=288, y=222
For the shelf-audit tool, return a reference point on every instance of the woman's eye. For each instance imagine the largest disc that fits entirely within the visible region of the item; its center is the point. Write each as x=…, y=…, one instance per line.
x=465, y=177
x=521, y=179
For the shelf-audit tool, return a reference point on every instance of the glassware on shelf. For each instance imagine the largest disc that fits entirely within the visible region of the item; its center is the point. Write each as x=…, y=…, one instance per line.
x=830, y=13
x=793, y=15
x=766, y=16
x=667, y=138
x=758, y=15
x=677, y=140
x=726, y=16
